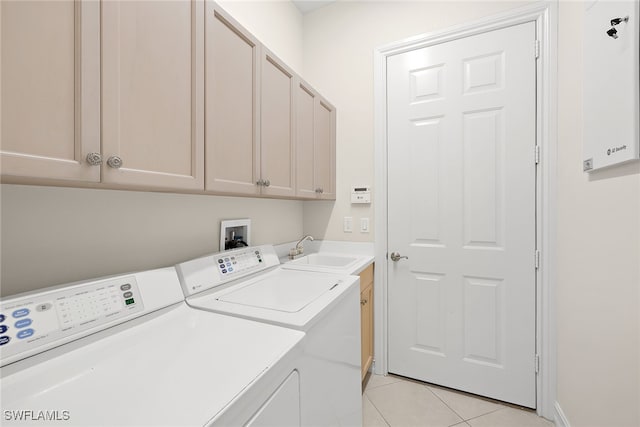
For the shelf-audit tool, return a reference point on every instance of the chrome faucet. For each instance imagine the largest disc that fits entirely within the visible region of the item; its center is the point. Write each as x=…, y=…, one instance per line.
x=299, y=249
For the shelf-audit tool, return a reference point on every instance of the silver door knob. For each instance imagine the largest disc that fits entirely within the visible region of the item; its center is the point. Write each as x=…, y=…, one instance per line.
x=94, y=159
x=267, y=183
x=114, y=162
x=395, y=256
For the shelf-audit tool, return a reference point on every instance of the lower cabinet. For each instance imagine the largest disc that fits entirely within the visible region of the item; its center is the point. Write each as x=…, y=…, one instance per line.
x=366, y=318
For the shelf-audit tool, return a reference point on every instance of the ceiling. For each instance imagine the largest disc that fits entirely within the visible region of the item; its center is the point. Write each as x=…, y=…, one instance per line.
x=306, y=6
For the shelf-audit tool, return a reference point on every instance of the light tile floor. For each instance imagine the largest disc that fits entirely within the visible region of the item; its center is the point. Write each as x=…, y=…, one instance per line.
x=398, y=402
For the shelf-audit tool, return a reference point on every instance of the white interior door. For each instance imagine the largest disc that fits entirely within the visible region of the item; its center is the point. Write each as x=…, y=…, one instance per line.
x=461, y=205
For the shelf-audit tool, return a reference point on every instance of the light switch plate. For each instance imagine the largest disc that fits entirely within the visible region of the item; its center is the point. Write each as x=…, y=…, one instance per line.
x=348, y=224
x=364, y=225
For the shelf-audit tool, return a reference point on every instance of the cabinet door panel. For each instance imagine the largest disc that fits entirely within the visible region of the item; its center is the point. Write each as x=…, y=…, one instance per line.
x=277, y=127
x=305, y=105
x=232, y=107
x=325, y=148
x=152, y=64
x=49, y=81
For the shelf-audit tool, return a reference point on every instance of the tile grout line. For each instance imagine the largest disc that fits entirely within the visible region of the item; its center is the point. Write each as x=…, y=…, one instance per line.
x=377, y=410
x=445, y=404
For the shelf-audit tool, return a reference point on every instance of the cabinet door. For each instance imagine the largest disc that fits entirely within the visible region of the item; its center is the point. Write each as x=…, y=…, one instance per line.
x=305, y=106
x=325, y=149
x=277, y=127
x=50, y=83
x=232, y=105
x=366, y=319
x=152, y=93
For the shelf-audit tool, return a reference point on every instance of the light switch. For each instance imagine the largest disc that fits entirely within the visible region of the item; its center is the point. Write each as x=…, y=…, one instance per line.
x=364, y=225
x=348, y=224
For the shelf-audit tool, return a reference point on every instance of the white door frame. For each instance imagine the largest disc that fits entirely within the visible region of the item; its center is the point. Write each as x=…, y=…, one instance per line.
x=544, y=14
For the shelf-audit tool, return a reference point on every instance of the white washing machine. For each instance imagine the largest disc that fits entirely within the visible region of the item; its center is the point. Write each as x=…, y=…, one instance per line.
x=127, y=350
x=250, y=283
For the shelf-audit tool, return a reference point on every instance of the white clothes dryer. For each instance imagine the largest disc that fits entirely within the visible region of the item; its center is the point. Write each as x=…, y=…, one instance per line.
x=250, y=283
x=128, y=351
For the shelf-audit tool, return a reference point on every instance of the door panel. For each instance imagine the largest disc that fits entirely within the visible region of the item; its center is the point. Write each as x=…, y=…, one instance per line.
x=152, y=83
x=325, y=149
x=232, y=114
x=50, y=82
x=461, y=205
x=277, y=127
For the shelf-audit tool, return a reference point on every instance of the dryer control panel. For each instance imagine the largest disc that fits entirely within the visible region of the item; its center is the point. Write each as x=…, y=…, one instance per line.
x=37, y=319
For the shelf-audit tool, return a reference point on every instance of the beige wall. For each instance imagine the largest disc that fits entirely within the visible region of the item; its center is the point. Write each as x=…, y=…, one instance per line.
x=598, y=293
x=56, y=235
x=339, y=41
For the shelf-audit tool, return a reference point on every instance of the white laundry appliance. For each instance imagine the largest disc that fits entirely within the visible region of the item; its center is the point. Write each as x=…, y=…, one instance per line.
x=127, y=350
x=250, y=283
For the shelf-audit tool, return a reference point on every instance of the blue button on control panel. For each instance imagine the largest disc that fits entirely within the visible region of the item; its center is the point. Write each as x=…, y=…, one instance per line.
x=4, y=340
x=2, y=318
x=3, y=329
x=23, y=323
x=25, y=333
x=21, y=312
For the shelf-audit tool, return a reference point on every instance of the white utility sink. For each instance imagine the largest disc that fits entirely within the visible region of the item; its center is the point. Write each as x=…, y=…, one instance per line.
x=324, y=260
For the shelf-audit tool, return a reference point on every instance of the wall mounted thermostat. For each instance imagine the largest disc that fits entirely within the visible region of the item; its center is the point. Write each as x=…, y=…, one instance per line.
x=361, y=194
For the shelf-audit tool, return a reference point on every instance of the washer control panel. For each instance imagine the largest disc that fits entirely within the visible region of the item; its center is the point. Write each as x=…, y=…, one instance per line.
x=238, y=262
x=32, y=320
x=217, y=269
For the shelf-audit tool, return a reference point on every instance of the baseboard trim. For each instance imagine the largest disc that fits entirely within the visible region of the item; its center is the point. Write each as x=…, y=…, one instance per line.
x=559, y=418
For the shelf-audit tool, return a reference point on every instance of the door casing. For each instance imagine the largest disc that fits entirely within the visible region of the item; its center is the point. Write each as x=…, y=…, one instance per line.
x=544, y=14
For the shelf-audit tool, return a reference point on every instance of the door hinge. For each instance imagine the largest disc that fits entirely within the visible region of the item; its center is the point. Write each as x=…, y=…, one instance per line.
x=537, y=48
x=537, y=154
x=537, y=259
x=537, y=363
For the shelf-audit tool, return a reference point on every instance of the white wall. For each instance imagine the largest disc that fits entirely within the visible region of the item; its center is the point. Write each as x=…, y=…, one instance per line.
x=598, y=283
x=56, y=235
x=339, y=40
x=598, y=293
x=277, y=24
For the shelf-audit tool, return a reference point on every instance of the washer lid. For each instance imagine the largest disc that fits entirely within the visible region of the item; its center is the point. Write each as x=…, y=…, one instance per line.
x=288, y=291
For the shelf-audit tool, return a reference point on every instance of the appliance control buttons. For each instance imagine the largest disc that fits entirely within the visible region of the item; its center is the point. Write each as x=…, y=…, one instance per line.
x=127, y=294
x=43, y=307
x=23, y=323
x=4, y=340
x=21, y=312
x=220, y=261
x=25, y=333
x=2, y=318
x=224, y=271
x=3, y=329
x=125, y=287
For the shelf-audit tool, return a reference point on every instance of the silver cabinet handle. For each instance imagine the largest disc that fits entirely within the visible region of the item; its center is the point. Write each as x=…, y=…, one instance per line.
x=94, y=159
x=114, y=162
x=319, y=190
x=260, y=182
x=267, y=183
x=395, y=256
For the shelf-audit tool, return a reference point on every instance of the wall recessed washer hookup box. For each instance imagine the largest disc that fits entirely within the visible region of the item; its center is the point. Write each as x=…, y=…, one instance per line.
x=611, y=85
x=361, y=194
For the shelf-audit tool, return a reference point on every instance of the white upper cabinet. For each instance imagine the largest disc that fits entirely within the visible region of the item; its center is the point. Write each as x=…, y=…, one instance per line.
x=277, y=130
x=153, y=93
x=50, y=84
x=315, y=144
x=232, y=92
